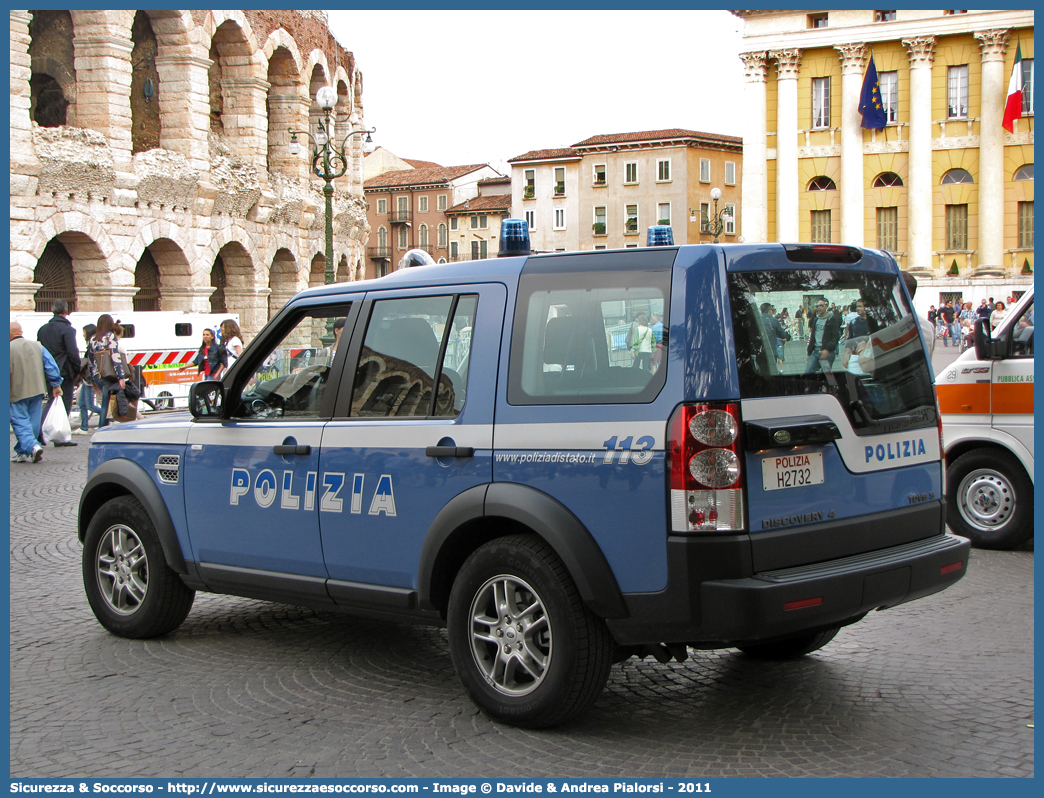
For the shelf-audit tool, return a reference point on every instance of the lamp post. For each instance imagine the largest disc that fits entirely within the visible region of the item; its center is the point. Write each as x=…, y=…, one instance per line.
x=716, y=227
x=329, y=162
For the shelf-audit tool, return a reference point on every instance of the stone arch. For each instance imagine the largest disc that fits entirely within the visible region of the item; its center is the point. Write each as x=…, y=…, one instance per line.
x=285, y=105
x=100, y=257
x=344, y=271
x=145, y=102
x=52, y=85
x=285, y=280
x=317, y=75
x=165, y=244
x=317, y=270
x=225, y=236
x=237, y=89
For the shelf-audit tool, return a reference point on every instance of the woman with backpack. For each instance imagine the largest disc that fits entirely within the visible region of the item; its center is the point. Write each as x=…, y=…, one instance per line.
x=643, y=345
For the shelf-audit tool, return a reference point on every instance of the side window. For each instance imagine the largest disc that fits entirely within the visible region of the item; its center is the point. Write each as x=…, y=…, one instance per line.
x=291, y=379
x=412, y=345
x=1022, y=334
x=589, y=338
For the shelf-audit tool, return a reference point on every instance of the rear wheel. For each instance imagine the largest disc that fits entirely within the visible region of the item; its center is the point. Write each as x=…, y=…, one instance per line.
x=525, y=646
x=165, y=401
x=791, y=647
x=130, y=587
x=989, y=499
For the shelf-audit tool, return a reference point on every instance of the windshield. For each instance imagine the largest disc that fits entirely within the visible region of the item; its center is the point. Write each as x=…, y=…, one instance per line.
x=846, y=333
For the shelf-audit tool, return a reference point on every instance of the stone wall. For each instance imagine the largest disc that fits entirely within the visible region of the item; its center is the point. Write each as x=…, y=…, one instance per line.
x=234, y=192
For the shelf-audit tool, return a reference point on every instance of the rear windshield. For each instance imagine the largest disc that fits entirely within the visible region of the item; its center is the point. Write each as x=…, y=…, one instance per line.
x=850, y=334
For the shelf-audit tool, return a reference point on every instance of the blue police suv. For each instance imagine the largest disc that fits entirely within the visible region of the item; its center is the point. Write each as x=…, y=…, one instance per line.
x=566, y=459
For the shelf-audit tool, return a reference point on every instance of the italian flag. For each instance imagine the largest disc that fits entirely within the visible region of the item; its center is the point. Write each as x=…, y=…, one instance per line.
x=1013, y=107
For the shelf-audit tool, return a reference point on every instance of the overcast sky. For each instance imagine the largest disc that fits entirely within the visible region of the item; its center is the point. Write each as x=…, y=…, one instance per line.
x=471, y=86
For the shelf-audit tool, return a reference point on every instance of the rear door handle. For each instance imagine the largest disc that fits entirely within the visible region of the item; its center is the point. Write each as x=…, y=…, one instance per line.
x=449, y=451
x=293, y=448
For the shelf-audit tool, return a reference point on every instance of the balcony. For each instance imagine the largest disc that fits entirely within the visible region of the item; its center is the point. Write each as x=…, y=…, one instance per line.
x=400, y=217
x=378, y=253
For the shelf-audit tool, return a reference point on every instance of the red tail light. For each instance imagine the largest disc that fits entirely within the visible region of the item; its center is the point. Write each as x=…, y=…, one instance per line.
x=706, y=468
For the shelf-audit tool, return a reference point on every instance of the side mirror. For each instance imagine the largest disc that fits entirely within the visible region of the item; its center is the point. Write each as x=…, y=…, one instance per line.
x=983, y=340
x=207, y=399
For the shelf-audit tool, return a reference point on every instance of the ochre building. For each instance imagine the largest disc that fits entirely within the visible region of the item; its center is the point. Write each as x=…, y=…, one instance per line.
x=943, y=186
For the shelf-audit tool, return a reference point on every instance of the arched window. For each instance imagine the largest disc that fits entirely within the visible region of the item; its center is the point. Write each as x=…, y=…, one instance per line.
x=442, y=236
x=888, y=180
x=424, y=235
x=382, y=238
x=1024, y=172
x=822, y=183
x=54, y=272
x=403, y=233
x=957, y=177
x=146, y=278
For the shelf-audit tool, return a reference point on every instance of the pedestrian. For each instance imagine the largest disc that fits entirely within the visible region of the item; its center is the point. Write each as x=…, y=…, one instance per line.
x=133, y=389
x=862, y=325
x=644, y=343
x=210, y=360
x=88, y=392
x=103, y=345
x=800, y=316
x=657, y=328
x=232, y=340
x=998, y=314
x=824, y=334
x=33, y=372
x=776, y=334
x=58, y=337
x=933, y=316
x=984, y=310
x=947, y=323
x=927, y=328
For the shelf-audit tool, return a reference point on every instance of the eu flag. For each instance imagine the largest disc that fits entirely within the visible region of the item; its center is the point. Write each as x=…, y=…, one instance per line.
x=870, y=104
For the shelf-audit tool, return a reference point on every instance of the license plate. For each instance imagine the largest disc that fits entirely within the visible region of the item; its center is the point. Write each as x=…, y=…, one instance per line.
x=792, y=471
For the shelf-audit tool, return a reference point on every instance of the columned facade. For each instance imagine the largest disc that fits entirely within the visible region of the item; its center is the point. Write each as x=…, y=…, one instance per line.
x=994, y=46
x=919, y=178
x=788, y=64
x=755, y=177
x=853, y=62
x=942, y=185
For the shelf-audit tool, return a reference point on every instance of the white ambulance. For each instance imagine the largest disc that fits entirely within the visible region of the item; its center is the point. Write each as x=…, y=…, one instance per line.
x=986, y=399
x=158, y=341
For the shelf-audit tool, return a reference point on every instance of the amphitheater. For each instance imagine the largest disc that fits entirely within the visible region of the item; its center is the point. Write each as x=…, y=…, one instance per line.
x=150, y=166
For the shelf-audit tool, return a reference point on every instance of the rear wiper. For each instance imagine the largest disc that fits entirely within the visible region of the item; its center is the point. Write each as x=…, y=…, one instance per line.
x=858, y=407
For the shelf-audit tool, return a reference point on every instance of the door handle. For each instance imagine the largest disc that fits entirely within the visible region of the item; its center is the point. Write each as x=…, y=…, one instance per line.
x=292, y=448
x=449, y=451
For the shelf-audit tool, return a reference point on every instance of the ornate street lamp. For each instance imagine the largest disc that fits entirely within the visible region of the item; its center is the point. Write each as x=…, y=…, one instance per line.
x=329, y=161
x=716, y=227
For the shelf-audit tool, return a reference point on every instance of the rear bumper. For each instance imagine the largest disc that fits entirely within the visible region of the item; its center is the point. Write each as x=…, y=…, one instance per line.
x=721, y=612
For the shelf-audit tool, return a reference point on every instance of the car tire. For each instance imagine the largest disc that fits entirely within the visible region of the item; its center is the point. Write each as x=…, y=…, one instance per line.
x=791, y=647
x=527, y=649
x=989, y=499
x=165, y=401
x=130, y=587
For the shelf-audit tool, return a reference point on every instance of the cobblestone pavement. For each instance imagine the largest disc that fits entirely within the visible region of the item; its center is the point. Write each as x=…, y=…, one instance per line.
x=939, y=687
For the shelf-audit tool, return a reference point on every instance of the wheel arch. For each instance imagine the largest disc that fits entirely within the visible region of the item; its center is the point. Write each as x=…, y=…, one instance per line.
x=115, y=478
x=486, y=512
x=1007, y=444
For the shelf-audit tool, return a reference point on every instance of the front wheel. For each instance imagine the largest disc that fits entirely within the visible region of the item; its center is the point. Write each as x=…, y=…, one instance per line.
x=791, y=647
x=989, y=499
x=525, y=646
x=130, y=587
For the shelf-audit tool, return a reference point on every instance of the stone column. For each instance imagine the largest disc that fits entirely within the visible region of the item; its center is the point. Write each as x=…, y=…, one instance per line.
x=187, y=299
x=993, y=44
x=21, y=71
x=853, y=220
x=919, y=190
x=244, y=119
x=184, y=98
x=788, y=63
x=252, y=306
x=103, y=80
x=754, y=207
